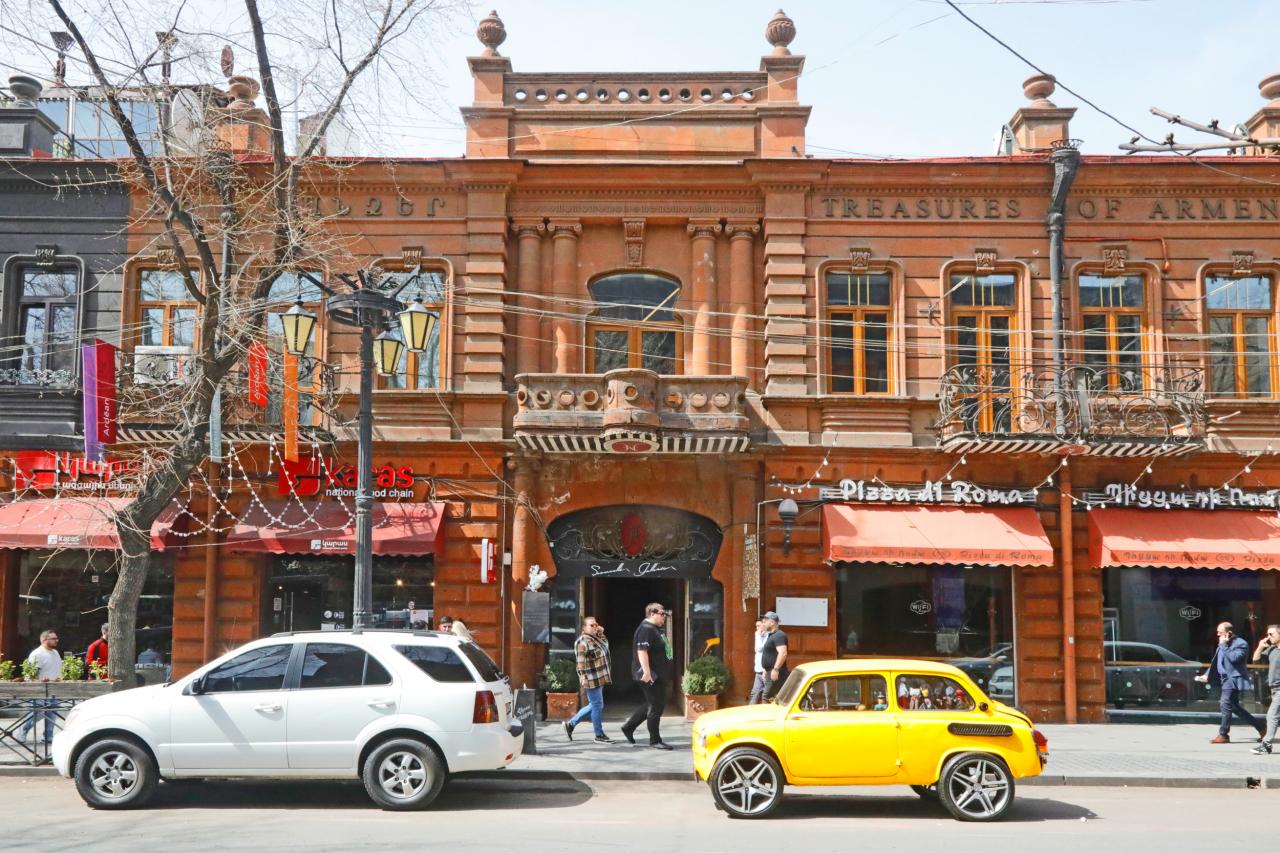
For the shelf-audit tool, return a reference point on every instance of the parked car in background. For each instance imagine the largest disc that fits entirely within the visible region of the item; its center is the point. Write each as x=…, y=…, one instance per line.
x=398, y=710
x=1001, y=684
x=982, y=666
x=870, y=722
x=1146, y=675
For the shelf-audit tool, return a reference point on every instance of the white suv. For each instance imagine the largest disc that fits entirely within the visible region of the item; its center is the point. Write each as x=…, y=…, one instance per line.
x=400, y=710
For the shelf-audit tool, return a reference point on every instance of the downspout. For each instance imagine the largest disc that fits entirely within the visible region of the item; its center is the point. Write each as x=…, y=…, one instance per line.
x=211, y=511
x=1065, y=160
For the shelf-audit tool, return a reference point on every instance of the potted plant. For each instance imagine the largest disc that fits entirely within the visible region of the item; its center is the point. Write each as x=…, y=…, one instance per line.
x=8, y=670
x=560, y=678
x=30, y=671
x=72, y=668
x=705, y=678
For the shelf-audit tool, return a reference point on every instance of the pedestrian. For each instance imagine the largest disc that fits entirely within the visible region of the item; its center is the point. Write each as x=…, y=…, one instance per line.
x=1269, y=648
x=45, y=656
x=652, y=668
x=591, y=653
x=97, y=653
x=773, y=655
x=761, y=679
x=1229, y=668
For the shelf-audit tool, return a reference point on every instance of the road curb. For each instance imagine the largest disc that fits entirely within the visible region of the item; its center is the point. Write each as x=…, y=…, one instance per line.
x=26, y=770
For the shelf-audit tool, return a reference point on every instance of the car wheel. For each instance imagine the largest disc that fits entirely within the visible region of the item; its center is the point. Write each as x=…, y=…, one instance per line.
x=976, y=787
x=403, y=774
x=747, y=783
x=115, y=774
x=929, y=793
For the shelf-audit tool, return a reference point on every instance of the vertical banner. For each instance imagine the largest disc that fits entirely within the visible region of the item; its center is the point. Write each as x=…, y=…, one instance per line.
x=89, y=392
x=290, y=407
x=105, y=355
x=215, y=426
x=258, y=374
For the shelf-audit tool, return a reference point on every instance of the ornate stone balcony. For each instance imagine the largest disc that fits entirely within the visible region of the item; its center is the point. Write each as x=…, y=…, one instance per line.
x=1085, y=409
x=631, y=411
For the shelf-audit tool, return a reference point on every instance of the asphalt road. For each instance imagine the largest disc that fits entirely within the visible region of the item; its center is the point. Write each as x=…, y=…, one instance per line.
x=44, y=813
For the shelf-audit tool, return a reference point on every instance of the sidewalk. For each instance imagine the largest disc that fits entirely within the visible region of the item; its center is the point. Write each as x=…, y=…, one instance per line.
x=1110, y=755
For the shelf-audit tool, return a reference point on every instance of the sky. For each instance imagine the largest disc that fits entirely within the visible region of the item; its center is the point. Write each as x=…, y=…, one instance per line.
x=906, y=78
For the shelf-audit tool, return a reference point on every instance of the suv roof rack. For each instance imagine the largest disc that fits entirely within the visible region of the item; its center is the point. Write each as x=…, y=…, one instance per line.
x=416, y=632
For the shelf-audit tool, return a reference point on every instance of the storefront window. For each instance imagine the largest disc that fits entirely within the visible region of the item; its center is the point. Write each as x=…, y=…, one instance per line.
x=310, y=593
x=1158, y=633
x=960, y=615
x=68, y=592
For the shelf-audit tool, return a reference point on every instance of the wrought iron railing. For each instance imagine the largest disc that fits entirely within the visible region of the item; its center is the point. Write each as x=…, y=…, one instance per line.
x=1080, y=404
x=39, y=379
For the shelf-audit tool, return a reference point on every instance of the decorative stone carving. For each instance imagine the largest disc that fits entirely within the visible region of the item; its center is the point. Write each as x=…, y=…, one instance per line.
x=780, y=32
x=984, y=260
x=1038, y=89
x=1114, y=259
x=411, y=256
x=1242, y=263
x=633, y=233
x=704, y=229
x=46, y=255
x=491, y=32
x=860, y=259
x=166, y=257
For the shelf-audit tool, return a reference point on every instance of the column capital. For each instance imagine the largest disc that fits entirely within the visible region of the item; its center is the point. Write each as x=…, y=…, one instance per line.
x=704, y=227
x=528, y=227
x=564, y=227
x=746, y=228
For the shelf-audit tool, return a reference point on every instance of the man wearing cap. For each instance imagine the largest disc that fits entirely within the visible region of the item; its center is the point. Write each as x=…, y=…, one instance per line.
x=773, y=655
x=652, y=668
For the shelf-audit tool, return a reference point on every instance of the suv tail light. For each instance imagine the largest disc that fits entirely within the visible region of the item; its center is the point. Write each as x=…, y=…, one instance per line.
x=1042, y=742
x=486, y=708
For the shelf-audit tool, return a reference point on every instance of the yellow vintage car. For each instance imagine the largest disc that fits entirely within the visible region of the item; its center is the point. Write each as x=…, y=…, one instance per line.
x=870, y=722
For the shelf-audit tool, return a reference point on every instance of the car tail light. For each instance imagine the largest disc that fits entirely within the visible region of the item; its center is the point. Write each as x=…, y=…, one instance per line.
x=1042, y=742
x=486, y=708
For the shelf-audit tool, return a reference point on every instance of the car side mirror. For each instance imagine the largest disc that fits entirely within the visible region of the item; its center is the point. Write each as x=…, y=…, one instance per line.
x=196, y=687
x=983, y=707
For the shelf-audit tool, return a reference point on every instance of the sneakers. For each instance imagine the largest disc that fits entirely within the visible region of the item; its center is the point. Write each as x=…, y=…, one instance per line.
x=657, y=744
x=603, y=739
x=568, y=729
x=629, y=735
x=1263, y=748
x=1221, y=739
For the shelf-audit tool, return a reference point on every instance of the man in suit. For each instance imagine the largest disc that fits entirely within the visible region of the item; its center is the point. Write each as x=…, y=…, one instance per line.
x=1230, y=669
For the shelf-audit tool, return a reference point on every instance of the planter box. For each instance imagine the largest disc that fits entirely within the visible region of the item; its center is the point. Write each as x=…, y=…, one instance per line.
x=561, y=706
x=696, y=706
x=60, y=689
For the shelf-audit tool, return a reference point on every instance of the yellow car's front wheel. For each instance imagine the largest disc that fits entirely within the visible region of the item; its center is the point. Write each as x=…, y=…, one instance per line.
x=747, y=783
x=976, y=786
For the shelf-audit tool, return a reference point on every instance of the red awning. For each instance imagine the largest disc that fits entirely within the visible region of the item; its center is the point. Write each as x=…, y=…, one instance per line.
x=1184, y=539
x=937, y=535
x=285, y=527
x=78, y=522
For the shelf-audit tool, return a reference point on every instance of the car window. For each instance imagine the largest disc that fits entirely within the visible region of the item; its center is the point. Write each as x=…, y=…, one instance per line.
x=1138, y=653
x=260, y=669
x=482, y=662
x=846, y=693
x=340, y=665
x=932, y=693
x=439, y=662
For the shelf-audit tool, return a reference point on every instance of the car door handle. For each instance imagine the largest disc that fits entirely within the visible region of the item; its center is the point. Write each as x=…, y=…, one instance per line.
x=267, y=708
x=797, y=717
x=382, y=703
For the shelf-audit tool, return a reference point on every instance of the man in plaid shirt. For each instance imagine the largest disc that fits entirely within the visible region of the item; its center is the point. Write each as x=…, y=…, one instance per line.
x=592, y=653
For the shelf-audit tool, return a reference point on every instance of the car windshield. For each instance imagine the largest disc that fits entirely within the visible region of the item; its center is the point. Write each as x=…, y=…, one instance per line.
x=791, y=687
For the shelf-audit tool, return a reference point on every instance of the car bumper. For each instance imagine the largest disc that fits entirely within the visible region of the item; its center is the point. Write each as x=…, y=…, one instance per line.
x=487, y=748
x=63, y=744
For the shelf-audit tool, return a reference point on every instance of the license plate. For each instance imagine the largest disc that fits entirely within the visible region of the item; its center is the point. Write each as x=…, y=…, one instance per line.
x=508, y=710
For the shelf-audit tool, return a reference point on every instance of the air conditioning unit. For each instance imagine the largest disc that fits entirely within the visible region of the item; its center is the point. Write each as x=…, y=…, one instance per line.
x=159, y=365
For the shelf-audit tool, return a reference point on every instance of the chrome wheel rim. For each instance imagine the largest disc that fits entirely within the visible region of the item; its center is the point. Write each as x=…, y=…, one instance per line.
x=402, y=775
x=747, y=784
x=113, y=775
x=979, y=787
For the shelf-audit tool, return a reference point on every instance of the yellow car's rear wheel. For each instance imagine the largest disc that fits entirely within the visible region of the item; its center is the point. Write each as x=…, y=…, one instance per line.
x=747, y=783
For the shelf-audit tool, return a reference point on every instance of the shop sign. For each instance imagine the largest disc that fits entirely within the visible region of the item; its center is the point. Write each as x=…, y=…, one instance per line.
x=1190, y=613
x=49, y=470
x=633, y=541
x=960, y=492
x=310, y=475
x=1128, y=495
x=920, y=607
x=318, y=545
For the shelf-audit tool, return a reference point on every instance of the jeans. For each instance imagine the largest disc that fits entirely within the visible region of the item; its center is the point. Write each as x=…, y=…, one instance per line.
x=772, y=687
x=49, y=717
x=594, y=709
x=759, y=685
x=655, y=699
x=1273, y=715
x=1230, y=703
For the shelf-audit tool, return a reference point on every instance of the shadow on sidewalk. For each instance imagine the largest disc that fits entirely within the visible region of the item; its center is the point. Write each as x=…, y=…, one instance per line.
x=808, y=806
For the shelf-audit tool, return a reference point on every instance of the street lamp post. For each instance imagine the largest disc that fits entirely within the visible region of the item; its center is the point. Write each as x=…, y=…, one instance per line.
x=367, y=307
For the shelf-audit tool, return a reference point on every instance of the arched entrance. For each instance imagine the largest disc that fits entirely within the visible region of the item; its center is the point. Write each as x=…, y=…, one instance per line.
x=613, y=560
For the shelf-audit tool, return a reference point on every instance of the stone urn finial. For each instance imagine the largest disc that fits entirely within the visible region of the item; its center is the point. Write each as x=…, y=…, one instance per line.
x=1039, y=88
x=1269, y=88
x=244, y=91
x=491, y=32
x=780, y=31
x=24, y=89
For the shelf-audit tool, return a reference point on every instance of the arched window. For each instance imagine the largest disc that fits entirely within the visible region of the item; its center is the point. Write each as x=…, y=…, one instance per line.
x=1112, y=324
x=859, y=312
x=420, y=370
x=633, y=324
x=287, y=289
x=982, y=320
x=1239, y=310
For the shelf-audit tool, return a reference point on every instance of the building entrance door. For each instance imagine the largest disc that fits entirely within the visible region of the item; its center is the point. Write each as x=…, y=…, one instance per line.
x=295, y=603
x=618, y=604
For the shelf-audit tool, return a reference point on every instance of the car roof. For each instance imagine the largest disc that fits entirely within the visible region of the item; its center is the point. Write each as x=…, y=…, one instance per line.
x=827, y=667
x=383, y=635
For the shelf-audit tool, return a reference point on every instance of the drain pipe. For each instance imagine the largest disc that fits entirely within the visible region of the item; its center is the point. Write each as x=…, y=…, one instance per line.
x=1065, y=159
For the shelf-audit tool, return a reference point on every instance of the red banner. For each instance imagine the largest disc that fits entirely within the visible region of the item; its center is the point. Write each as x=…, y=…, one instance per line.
x=258, y=374
x=290, y=407
x=105, y=355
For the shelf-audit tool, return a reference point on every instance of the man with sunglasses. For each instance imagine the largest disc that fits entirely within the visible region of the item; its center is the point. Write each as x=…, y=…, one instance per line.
x=49, y=663
x=652, y=669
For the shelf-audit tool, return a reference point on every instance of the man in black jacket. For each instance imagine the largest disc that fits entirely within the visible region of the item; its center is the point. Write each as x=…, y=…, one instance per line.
x=651, y=667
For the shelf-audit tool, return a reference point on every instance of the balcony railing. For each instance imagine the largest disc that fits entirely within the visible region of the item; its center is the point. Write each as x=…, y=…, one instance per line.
x=1100, y=410
x=631, y=411
x=38, y=379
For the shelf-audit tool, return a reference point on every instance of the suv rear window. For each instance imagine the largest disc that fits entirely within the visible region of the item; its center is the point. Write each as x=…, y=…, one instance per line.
x=482, y=662
x=438, y=662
